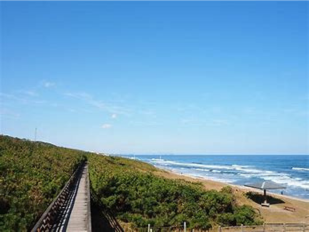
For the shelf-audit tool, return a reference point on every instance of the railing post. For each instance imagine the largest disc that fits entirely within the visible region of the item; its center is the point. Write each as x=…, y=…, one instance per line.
x=148, y=228
x=219, y=229
x=304, y=227
x=242, y=228
x=263, y=227
x=184, y=227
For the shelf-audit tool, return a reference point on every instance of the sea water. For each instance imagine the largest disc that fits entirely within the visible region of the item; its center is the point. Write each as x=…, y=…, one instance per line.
x=291, y=171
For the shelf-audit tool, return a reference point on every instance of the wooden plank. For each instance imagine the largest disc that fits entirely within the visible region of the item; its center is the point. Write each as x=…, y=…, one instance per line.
x=79, y=219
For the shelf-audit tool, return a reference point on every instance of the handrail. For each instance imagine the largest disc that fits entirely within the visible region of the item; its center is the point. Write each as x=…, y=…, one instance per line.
x=265, y=227
x=89, y=203
x=107, y=214
x=49, y=217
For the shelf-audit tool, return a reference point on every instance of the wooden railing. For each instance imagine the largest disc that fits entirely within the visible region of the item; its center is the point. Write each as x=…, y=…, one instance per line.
x=54, y=216
x=268, y=227
x=88, y=204
x=106, y=213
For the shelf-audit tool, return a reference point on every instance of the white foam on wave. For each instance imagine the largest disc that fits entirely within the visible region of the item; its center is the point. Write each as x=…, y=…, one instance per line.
x=244, y=171
x=300, y=169
x=289, y=181
x=194, y=165
x=241, y=166
x=252, y=170
x=207, y=170
x=216, y=171
x=202, y=169
x=246, y=175
x=134, y=158
x=278, y=177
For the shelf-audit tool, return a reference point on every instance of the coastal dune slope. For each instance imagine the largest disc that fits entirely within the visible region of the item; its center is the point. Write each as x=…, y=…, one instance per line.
x=276, y=213
x=136, y=193
x=139, y=194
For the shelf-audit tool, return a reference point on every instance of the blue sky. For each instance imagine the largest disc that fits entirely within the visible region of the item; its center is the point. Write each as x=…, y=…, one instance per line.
x=157, y=77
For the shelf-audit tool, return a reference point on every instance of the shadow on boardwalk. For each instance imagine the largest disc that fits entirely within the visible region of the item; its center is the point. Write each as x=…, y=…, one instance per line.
x=103, y=221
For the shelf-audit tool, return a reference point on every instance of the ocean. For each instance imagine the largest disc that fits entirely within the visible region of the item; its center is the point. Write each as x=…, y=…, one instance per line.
x=291, y=171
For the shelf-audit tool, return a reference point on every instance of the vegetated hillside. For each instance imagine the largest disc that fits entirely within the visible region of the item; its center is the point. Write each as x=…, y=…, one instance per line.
x=132, y=192
x=31, y=176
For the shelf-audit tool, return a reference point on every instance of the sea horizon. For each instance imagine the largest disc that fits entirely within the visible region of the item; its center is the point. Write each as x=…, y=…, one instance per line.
x=214, y=154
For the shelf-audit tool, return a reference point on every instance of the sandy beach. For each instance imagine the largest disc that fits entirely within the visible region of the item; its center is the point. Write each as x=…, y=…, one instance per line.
x=276, y=213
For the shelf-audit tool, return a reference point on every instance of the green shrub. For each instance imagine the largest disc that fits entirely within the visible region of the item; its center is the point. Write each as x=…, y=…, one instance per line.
x=132, y=191
x=31, y=176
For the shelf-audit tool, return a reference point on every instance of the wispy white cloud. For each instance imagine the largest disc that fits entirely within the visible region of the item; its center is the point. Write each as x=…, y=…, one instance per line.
x=188, y=107
x=295, y=111
x=113, y=116
x=106, y=126
x=194, y=121
x=4, y=97
x=48, y=84
x=148, y=112
x=8, y=113
x=29, y=93
x=81, y=95
x=220, y=122
x=145, y=123
x=186, y=121
x=20, y=99
x=104, y=106
x=8, y=96
x=191, y=122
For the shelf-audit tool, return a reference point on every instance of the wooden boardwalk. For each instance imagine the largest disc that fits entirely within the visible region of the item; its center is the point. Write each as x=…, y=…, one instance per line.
x=79, y=218
x=70, y=210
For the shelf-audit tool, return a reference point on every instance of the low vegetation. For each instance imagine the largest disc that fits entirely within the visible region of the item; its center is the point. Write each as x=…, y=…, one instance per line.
x=132, y=192
x=31, y=176
x=33, y=173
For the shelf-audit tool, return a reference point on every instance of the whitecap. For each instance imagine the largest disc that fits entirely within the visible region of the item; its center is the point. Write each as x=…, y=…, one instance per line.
x=300, y=169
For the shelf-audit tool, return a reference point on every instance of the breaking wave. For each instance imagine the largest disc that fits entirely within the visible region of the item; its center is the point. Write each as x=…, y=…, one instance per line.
x=219, y=172
x=300, y=169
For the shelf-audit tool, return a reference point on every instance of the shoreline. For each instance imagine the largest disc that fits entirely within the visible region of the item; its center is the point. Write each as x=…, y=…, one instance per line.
x=240, y=186
x=276, y=213
x=233, y=185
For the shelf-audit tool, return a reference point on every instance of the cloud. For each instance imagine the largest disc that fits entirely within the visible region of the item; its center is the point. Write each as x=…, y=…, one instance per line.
x=81, y=95
x=113, y=116
x=30, y=93
x=104, y=106
x=20, y=98
x=220, y=122
x=148, y=113
x=8, y=113
x=48, y=84
x=145, y=123
x=106, y=126
x=191, y=122
x=11, y=97
x=8, y=96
